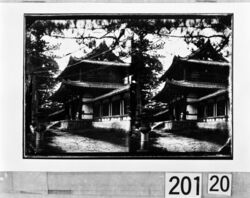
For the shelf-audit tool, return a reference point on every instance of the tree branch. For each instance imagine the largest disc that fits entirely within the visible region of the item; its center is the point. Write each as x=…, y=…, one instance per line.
x=194, y=36
x=159, y=34
x=83, y=37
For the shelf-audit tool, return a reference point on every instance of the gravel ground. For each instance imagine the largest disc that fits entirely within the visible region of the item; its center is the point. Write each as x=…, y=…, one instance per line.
x=103, y=141
x=74, y=143
x=176, y=143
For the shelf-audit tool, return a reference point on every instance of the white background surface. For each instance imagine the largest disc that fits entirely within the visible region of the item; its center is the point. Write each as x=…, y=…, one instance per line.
x=11, y=89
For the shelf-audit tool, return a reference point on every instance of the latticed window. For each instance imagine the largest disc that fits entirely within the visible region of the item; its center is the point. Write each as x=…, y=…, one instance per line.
x=221, y=106
x=126, y=105
x=105, y=109
x=116, y=107
x=201, y=111
x=210, y=110
x=97, y=109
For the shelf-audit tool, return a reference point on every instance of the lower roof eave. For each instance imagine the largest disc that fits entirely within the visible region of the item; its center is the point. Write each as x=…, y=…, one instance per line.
x=213, y=95
x=112, y=93
x=173, y=85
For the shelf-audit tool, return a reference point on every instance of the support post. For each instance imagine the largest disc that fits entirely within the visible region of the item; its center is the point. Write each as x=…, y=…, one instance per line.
x=34, y=104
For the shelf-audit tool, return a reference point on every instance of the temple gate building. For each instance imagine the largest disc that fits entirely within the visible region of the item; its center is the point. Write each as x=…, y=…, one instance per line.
x=94, y=93
x=196, y=91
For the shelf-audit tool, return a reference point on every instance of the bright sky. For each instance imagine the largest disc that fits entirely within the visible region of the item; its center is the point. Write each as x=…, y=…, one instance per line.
x=172, y=46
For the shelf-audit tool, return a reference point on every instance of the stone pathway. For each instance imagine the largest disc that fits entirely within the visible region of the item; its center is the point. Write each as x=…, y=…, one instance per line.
x=175, y=143
x=73, y=143
x=66, y=142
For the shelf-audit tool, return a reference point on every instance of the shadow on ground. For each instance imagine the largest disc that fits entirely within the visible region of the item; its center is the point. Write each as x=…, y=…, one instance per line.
x=211, y=136
x=46, y=144
x=121, y=138
x=114, y=136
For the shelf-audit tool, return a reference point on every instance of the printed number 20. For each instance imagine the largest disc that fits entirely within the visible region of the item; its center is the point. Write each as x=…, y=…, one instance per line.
x=185, y=181
x=222, y=183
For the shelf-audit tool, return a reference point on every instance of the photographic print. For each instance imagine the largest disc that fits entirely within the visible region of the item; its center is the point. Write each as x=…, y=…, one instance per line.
x=156, y=86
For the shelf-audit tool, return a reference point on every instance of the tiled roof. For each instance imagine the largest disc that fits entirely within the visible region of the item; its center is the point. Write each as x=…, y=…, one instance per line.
x=91, y=63
x=116, y=91
x=207, y=52
x=204, y=56
x=206, y=62
x=212, y=95
x=105, y=63
x=174, y=85
x=66, y=88
x=102, y=85
x=189, y=84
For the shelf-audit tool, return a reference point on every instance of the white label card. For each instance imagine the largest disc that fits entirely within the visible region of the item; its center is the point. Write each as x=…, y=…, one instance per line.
x=220, y=184
x=183, y=185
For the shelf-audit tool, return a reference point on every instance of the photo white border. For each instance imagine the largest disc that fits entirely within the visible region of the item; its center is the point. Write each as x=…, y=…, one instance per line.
x=11, y=86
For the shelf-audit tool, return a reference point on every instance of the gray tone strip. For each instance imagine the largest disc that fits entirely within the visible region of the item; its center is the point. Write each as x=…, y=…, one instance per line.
x=124, y=1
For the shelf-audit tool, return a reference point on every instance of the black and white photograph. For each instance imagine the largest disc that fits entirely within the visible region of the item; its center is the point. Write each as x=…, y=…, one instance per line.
x=128, y=86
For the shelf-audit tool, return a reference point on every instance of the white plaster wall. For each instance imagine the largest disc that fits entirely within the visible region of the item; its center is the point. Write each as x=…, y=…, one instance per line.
x=191, y=110
x=213, y=125
x=87, y=117
x=113, y=123
x=191, y=117
x=87, y=108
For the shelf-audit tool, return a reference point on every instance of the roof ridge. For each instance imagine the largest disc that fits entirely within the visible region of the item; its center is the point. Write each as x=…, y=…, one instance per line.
x=206, y=47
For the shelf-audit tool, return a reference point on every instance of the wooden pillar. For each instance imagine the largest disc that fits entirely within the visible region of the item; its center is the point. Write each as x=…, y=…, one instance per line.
x=227, y=107
x=184, y=74
x=100, y=110
x=34, y=103
x=110, y=107
x=174, y=113
x=214, y=109
x=70, y=109
x=80, y=74
x=185, y=107
x=122, y=107
x=80, y=108
x=70, y=117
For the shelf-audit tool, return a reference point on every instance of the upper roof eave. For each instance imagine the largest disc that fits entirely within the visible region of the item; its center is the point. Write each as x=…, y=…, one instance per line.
x=195, y=57
x=177, y=60
x=205, y=62
x=79, y=62
x=106, y=63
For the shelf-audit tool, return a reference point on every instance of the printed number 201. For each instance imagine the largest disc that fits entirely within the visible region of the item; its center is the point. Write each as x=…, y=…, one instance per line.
x=184, y=180
x=185, y=185
x=219, y=184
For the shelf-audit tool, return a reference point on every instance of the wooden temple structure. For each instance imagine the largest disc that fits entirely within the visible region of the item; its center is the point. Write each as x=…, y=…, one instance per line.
x=94, y=93
x=196, y=91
